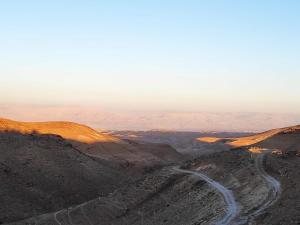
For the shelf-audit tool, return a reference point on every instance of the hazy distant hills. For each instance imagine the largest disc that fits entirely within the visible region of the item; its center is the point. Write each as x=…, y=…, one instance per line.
x=187, y=121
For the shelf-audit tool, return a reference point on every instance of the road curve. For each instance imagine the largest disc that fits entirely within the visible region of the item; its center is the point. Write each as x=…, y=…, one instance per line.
x=273, y=185
x=232, y=208
x=232, y=211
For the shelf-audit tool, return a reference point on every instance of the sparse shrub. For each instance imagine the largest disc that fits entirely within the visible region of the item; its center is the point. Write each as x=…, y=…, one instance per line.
x=255, y=149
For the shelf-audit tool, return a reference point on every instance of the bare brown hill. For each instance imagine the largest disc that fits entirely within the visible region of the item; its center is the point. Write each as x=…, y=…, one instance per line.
x=98, y=144
x=283, y=165
x=42, y=173
x=67, y=130
x=48, y=166
x=286, y=139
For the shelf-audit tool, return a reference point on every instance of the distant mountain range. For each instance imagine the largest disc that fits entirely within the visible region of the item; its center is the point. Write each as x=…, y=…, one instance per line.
x=181, y=121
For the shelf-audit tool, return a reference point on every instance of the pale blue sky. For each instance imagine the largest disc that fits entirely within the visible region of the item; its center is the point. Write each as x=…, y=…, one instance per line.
x=152, y=55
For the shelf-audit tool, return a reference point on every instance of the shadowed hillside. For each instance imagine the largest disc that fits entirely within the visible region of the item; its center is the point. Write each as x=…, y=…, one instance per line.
x=98, y=144
x=41, y=173
x=283, y=164
x=67, y=130
x=45, y=167
x=286, y=139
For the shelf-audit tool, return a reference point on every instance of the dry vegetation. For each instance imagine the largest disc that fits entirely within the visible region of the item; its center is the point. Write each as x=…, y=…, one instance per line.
x=48, y=166
x=66, y=173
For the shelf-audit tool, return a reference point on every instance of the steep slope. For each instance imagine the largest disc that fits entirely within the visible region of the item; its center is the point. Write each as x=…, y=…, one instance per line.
x=48, y=166
x=286, y=139
x=98, y=144
x=283, y=165
x=67, y=130
x=42, y=173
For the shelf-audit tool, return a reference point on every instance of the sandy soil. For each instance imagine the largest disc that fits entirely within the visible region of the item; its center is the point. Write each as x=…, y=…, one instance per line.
x=42, y=172
x=241, y=194
x=286, y=209
x=161, y=197
x=236, y=186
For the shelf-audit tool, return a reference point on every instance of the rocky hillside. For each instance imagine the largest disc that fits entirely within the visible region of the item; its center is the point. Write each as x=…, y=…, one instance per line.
x=96, y=144
x=48, y=166
x=286, y=139
x=41, y=173
x=67, y=130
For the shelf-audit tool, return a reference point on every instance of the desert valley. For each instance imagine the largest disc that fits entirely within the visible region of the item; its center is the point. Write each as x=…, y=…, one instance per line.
x=63, y=173
x=149, y=112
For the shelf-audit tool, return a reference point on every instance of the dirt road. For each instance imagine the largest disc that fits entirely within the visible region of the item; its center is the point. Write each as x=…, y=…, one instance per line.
x=232, y=208
x=232, y=213
x=232, y=216
x=273, y=185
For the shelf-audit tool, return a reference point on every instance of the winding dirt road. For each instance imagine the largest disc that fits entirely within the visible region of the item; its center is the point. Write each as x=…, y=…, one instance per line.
x=232, y=211
x=231, y=217
x=273, y=185
x=232, y=208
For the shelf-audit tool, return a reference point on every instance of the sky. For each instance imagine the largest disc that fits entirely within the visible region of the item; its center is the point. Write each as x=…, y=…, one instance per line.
x=216, y=56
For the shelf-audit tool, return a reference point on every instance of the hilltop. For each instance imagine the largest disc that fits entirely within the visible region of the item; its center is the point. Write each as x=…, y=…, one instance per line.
x=67, y=130
x=286, y=139
x=95, y=143
x=47, y=166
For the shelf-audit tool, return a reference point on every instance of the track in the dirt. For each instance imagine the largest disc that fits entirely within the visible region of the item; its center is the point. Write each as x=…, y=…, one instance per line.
x=273, y=185
x=232, y=211
x=231, y=217
x=232, y=207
